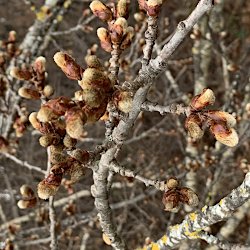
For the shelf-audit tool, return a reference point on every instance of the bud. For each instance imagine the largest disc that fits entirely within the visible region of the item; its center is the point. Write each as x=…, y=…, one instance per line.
x=45, y=189
x=23, y=204
x=225, y=135
x=3, y=144
x=12, y=36
x=20, y=74
x=106, y=239
x=139, y=17
x=75, y=119
x=46, y=114
x=203, y=100
x=153, y=7
x=189, y=197
x=94, y=114
x=123, y=100
x=34, y=121
x=48, y=91
x=80, y=155
x=76, y=171
x=118, y=29
x=29, y=93
x=105, y=39
x=172, y=183
x=93, y=62
x=128, y=38
x=95, y=78
x=222, y=117
x=39, y=65
x=69, y=142
x=68, y=65
x=171, y=200
x=122, y=8
x=194, y=126
x=57, y=158
x=49, y=139
x=26, y=191
x=101, y=10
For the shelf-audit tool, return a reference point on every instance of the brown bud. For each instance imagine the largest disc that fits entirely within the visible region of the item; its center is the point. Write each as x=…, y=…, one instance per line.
x=49, y=139
x=93, y=62
x=106, y=239
x=76, y=171
x=45, y=190
x=118, y=29
x=122, y=8
x=128, y=38
x=34, y=121
x=57, y=158
x=225, y=135
x=94, y=114
x=29, y=93
x=95, y=78
x=48, y=91
x=171, y=200
x=172, y=183
x=69, y=142
x=80, y=155
x=194, y=126
x=154, y=7
x=26, y=191
x=101, y=10
x=203, y=100
x=189, y=197
x=75, y=119
x=123, y=100
x=56, y=148
x=39, y=65
x=46, y=114
x=91, y=97
x=222, y=117
x=105, y=39
x=23, y=204
x=20, y=74
x=68, y=65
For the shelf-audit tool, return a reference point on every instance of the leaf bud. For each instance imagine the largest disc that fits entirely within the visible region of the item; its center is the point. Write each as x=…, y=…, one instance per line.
x=29, y=93
x=106, y=239
x=57, y=158
x=172, y=183
x=48, y=91
x=93, y=62
x=105, y=39
x=203, y=100
x=128, y=38
x=26, y=191
x=118, y=29
x=122, y=8
x=194, y=126
x=49, y=139
x=20, y=74
x=76, y=171
x=153, y=7
x=189, y=197
x=101, y=11
x=91, y=97
x=68, y=65
x=34, y=121
x=225, y=135
x=45, y=189
x=46, y=114
x=123, y=100
x=75, y=119
x=171, y=200
x=94, y=114
x=23, y=204
x=69, y=142
x=12, y=36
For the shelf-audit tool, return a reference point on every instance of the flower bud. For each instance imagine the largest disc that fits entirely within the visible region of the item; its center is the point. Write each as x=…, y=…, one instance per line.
x=46, y=189
x=80, y=155
x=69, y=142
x=68, y=65
x=101, y=10
x=203, y=100
x=122, y=8
x=194, y=126
x=48, y=91
x=94, y=114
x=20, y=74
x=172, y=183
x=153, y=7
x=75, y=119
x=29, y=93
x=23, y=204
x=46, y=114
x=105, y=39
x=171, y=200
x=39, y=65
x=225, y=135
x=128, y=38
x=95, y=78
x=49, y=139
x=118, y=29
x=26, y=191
x=91, y=97
x=222, y=117
x=123, y=100
x=93, y=62
x=34, y=121
x=189, y=197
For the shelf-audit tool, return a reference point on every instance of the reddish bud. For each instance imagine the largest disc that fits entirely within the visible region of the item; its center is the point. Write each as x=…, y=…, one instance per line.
x=45, y=188
x=29, y=93
x=101, y=10
x=189, y=197
x=194, y=126
x=39, y=65
x=123, y=100
x=118, y=29
x=20, y=74
x=203, y=100
x=105, y=39
x=68, y=65
x=122, y=8
x=222, y=117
